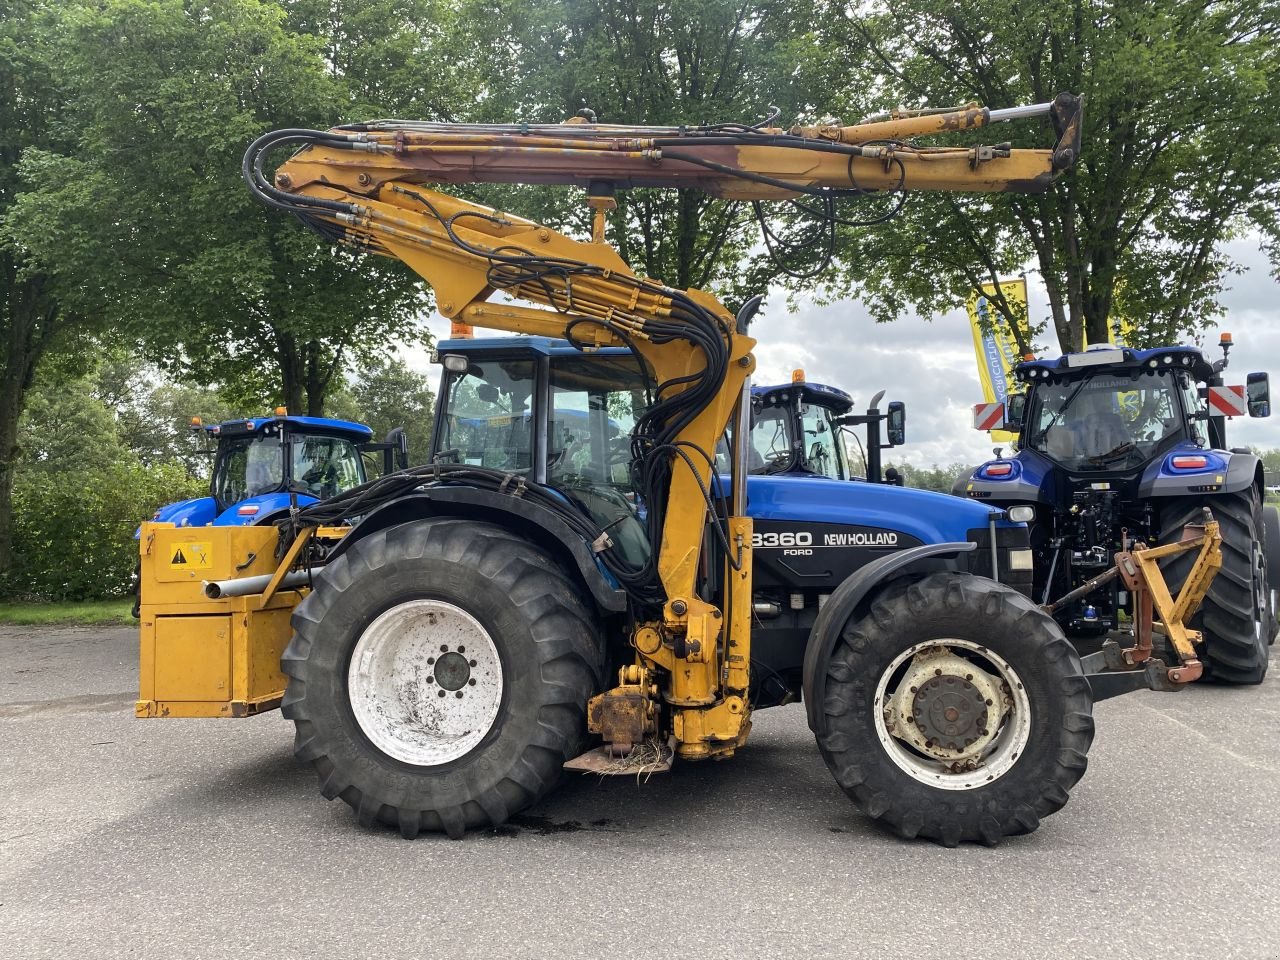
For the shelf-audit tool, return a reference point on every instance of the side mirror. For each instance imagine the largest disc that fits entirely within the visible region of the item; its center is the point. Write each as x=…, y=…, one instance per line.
x=1015, y=407
x=1258, y=394
x=897, y=423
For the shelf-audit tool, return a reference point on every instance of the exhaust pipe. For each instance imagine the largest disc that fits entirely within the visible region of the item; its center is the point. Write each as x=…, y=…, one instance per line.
x=243, y=587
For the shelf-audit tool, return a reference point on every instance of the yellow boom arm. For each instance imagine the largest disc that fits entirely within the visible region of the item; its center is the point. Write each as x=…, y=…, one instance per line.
x=363, y=185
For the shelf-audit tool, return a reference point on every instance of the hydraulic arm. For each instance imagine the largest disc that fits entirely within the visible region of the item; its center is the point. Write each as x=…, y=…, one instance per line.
x=365, y=185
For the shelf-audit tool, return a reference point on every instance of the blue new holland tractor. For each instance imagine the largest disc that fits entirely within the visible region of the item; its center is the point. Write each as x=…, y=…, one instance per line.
x=264, y=465
x=1119, y=446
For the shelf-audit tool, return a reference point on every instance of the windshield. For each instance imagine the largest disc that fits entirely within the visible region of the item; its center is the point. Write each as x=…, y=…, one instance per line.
x=247, y=467
x=1106, y=422
x=818, y=448
x=325, y=466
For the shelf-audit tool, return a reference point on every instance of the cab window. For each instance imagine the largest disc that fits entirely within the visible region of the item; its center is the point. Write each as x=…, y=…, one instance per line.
x=325, y=466
x=488, y=418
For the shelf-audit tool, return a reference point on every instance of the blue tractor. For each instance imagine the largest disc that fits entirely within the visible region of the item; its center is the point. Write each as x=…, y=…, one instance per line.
x=798, y=429
x=1120, y=446
x=546, y=410
x=264, y=465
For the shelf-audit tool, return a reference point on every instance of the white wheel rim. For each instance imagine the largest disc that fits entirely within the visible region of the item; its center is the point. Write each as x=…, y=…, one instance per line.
x=1006, y=744
x=425, y=682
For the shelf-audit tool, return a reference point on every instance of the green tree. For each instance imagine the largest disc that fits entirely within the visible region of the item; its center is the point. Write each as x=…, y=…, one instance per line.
x=148, y=212
x=32, y=317
x=655, y=62
x=1178, y=151
x=79, y=493
x=389, y=394
x=938, y=478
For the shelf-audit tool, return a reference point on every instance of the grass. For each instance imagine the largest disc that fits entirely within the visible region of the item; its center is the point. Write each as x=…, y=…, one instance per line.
x=85, y=613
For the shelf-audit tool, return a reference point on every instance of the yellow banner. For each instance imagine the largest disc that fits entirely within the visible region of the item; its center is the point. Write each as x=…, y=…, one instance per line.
x=994, y=343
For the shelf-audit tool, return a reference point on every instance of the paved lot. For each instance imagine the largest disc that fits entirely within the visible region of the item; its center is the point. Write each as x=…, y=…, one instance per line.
x=192, y=839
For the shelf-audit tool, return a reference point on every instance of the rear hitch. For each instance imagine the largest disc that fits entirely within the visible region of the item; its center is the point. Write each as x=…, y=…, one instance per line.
x=1115, y=670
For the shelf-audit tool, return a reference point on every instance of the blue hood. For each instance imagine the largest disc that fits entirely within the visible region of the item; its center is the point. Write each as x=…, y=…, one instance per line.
x=928, y=516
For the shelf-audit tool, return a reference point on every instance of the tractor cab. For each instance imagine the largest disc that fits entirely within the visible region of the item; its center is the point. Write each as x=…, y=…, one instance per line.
x=799, y=428
x=263, y=465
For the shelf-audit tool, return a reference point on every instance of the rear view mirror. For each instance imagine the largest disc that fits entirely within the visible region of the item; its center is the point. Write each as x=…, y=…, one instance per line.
x=897, y=423
x=487, y=392
x=1258, y=394
x=1015, y=407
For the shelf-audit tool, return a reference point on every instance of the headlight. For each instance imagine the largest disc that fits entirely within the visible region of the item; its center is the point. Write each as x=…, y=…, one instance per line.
x=1020, y=559
x=1022, y=513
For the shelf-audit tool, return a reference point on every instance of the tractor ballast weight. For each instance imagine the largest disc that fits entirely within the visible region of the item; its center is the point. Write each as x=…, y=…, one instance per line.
x=1120, y=447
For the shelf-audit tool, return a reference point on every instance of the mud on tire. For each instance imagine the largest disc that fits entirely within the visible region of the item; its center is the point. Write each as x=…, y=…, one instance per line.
x=1236, y=622
x=542, y=633
x=991, y=617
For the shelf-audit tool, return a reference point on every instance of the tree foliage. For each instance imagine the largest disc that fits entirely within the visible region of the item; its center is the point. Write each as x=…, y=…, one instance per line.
x=146, y=209
x=668, y=62
x=1178, y=155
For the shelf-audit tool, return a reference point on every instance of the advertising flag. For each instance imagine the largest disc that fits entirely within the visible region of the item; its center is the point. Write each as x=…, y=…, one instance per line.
x=994, y=343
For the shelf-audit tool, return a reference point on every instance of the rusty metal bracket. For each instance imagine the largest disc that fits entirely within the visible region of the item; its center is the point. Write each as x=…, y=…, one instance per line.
x=1155, y=610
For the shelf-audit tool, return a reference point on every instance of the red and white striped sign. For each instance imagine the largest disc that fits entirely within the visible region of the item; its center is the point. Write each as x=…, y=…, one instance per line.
x=1227, y=401
x=988, y=416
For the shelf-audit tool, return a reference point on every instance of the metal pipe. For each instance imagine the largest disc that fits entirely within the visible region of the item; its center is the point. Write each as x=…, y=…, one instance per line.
x=245, y=586
x=1018, y=113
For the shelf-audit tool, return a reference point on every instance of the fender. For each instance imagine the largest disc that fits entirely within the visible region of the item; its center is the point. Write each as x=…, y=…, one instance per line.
x=840, y=606
x=1244, y=470
x=537, y=523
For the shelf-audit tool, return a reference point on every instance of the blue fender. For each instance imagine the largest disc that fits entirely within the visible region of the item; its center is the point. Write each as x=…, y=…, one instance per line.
x=1227, y=471
x=199, y=512
x=257, y=509
x=840, y=606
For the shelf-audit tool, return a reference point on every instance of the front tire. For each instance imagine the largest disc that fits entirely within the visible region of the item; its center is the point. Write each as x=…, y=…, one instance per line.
x=1236, y=615
x=956, y=711
x=439, y=674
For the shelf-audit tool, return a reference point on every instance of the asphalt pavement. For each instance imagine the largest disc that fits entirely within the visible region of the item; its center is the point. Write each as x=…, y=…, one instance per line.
x=205, y=839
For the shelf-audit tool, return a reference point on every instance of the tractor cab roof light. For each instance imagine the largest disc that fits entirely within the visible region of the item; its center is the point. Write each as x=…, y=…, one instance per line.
x=282, y=411
x=454, y=363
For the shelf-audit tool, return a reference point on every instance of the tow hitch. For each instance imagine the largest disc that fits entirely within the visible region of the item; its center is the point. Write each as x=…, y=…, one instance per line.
x=1114, y=669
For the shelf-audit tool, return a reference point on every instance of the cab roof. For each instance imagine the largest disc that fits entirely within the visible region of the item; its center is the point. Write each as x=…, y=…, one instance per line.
x=356, y=432
x=1118, y=359
x=819, y=393
x=546, y=346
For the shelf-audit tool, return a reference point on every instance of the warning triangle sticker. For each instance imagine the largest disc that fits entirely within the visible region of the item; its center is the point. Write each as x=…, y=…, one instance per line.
x=178, y=558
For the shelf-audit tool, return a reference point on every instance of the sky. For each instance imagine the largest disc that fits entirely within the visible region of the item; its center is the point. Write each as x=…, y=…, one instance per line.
x=930, y=364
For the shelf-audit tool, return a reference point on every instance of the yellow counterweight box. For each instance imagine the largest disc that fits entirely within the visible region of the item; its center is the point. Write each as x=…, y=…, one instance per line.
x=209, y=658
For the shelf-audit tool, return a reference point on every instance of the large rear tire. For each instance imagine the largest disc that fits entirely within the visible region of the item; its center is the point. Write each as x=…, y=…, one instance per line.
x=1236, y=616
x=439, y=674
x=914, y=733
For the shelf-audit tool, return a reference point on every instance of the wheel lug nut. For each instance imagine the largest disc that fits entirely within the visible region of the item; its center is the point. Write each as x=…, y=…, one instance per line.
x=462, y=649
x=458, y=694
x=470, y=683
x=444, y=648
x=440, y=694
x=472, y=662
x=430, y=660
